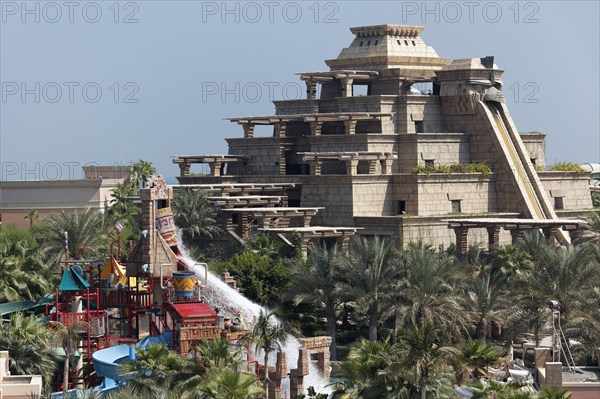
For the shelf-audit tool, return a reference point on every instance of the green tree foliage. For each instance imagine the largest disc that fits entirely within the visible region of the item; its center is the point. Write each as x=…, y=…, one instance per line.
x=261, y=278
x=268, y=335
x=314, y=282
x=23, y=275
x=368, y=271
x=87, y=232
x=195, y=215
x=29, y=343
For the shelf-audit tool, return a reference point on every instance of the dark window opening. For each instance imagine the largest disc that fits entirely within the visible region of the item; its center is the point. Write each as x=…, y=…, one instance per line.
x=294, y=203
x=559, y=203
x=361, y=43
x=419, y=127
x=413, y=42
x=532, y=161
x=399, y=42
x=376, y=42
x=400, y=207
x=369, y=43
x=235, y=218
x=430, y=163
x=160, y=204
x=359, y=89
x=456, y=208
x=406, y=42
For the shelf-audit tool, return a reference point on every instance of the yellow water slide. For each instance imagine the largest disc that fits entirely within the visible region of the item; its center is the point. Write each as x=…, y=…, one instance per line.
x=523, y=172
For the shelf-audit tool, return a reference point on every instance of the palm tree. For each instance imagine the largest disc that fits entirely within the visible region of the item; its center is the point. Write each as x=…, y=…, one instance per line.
x=32, y=215
x=87, y=235
x=427, y=292
x=369, y=270
x=226, y=383
x=487, y=300
x=28, y=342
x=23, y=276
x=315, y=283
x=156, y=369
x=68, y=336
x=479, y=355
x=122, y=206
x=554, y=392
x=509, y=261
x=365, y=373
x=268, y=335
x=216, y=353
x=422, y=352
x=141, y=170
x=195, y=215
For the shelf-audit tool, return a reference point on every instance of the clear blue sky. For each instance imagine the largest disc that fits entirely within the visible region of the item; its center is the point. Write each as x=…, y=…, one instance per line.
x=162, y=67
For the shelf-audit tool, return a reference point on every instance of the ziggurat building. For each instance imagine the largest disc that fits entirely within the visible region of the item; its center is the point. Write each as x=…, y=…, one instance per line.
x=349, y=159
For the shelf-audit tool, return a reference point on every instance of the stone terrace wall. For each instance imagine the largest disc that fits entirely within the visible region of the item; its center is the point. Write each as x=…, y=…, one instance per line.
x=264, y=153
x=372, y=196
x=419, y=108
x=534, y=143
x=333, y=192
x=573, y=187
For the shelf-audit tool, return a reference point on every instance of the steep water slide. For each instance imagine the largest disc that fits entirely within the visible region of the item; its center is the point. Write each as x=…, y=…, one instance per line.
x=523, y=173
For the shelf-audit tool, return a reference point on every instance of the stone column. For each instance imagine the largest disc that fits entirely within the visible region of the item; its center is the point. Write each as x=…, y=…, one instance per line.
x=280, y=129
x=373, y=167
x=542, y=355
x=517, y=236
x=493, y=236
x=282, y=170
x=386, y=166
x=323, y=362
x=350, y=126
x=553, y=374
x=347, y=87
x=215, y=168
x=315, y=167
x=304, y=241
x=311, y=89
x=248, y=130
x=184, y=169
x=351, y=166
x=315, y=128
x=550, y=235
x=462, y=244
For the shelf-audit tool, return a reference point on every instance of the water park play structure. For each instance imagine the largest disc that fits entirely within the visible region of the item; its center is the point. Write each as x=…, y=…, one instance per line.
x=159, y=295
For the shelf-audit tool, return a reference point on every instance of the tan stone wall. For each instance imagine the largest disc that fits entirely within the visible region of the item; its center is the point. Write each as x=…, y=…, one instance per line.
x=573, y=187
x=335, y=193
x=423, y=108
x=264, y=153
x=535, y=145
x=372, y=196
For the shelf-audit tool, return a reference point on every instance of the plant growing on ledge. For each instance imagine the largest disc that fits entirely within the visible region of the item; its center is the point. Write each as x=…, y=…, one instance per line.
x=480, y=167
x=566, y=167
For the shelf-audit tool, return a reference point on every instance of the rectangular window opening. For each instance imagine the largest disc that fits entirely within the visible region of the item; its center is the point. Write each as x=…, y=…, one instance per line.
x=559, y=203
x=419, y=127
x=456, y=208
x=401, y=207
x=430, y=163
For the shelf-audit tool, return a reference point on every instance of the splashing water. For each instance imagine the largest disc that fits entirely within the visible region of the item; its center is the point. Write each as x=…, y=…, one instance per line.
x=219, y=295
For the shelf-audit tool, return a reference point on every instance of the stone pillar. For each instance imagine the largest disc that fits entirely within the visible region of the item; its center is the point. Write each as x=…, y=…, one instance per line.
x=229, y=223
x=248, y=130
x=306, y=220
x=517, y=236
x=282, y=170
x=323, y=362
x=215, y=168
x=386, y=166
x=493, y=236
x=343, y=241
x=315, y=167
x=550, y=235
x=373, y=167
x=311, y=89
x=350, y=126
x=302, y=362
x=274, y=384
x=184, y=169
x=553, y=374
x=280, y=129
x=351, y=166
x=243, y=223
x=315, y=128
x=304, y=241
x=281, y=365
x=347, y=87
x=296, y=383
x=462, y=244
x=542, y=355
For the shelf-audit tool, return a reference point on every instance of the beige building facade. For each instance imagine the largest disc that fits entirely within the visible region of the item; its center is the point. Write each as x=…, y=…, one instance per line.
x=366, y=142
x=17, y=198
